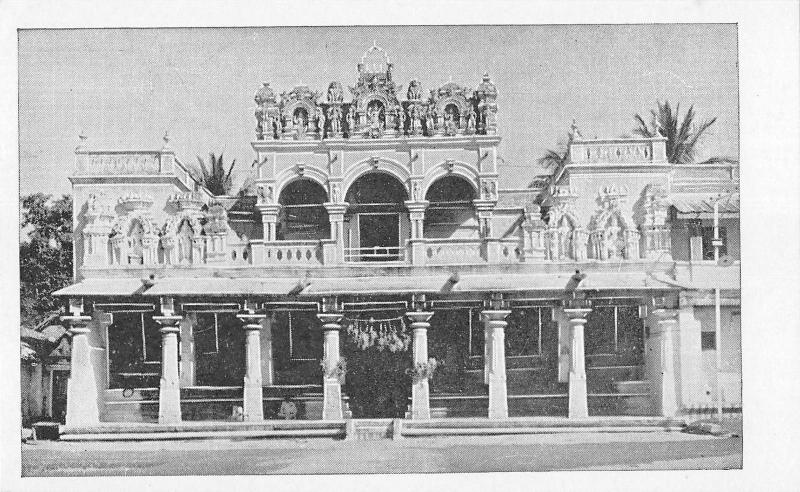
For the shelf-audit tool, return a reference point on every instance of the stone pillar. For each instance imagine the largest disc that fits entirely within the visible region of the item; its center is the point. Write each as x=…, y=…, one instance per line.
x=534, y=234
x=578, y=395
x=332, y=388
x=187, y=352
x=267, y=363
x=169, y=394
x=420, y=391
x=269, y=219
x=416, y=210
x=82, y=409
x=253, y=391
x=494, y=323
x=336, y=213
x=663, y=336
x=37, y=382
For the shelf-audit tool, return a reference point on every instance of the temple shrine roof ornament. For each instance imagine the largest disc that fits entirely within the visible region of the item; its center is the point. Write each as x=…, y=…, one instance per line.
x=135, y=201
x=376, y=110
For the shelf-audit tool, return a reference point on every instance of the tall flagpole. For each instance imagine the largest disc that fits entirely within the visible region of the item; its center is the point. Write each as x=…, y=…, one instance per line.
x=717, y=314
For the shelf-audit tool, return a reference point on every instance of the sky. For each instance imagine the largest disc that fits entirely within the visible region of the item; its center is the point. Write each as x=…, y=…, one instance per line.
x=125, y=87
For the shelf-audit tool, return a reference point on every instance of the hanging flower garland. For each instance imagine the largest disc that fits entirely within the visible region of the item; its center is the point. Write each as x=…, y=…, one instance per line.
x=387, y=333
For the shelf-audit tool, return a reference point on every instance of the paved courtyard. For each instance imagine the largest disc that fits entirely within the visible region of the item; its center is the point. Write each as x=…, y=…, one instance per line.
x=418, y=455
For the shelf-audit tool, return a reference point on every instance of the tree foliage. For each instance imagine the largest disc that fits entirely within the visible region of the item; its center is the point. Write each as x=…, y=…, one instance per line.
x=682, y=135
x=45, y=254
x=214, y=177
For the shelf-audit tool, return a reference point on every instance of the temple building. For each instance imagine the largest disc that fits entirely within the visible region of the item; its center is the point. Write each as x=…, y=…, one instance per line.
x=380, y=271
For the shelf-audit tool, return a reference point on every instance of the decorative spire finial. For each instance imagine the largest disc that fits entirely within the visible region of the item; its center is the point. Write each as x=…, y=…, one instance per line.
x=166, y=139
x=576, y=133
x=82, y=140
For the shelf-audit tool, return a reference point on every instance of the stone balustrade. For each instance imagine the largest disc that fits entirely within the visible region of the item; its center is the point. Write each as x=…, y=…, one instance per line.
x=289, y=253
x=104, y=163
x=612, y=151
x=454, y=251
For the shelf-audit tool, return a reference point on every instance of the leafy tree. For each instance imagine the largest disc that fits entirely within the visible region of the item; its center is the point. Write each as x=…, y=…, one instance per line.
x=214, y=177
x=682, y=135
x=45, y=254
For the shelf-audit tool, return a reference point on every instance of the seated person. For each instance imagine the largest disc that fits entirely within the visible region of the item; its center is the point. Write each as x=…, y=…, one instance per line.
x=288, y=409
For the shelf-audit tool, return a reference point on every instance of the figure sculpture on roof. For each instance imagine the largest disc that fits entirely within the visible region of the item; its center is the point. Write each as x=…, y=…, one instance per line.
x=351, y=121
x=335, y=117
x=335, y=93
x=319, y=119
x=430, y=122
x=471, y=120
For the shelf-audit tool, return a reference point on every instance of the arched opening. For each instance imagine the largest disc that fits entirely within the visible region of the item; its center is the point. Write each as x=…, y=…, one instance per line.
x=451, y=213
x=303, y=216
x=377, y=221
x=376, y=117
x=452, y=119
x=185, y=240
x=134, y=245
x=300, y=119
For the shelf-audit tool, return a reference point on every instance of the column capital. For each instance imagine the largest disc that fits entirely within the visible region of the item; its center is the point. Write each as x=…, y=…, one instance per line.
x=665, y=314
x=495, y=314
x=331, y=321
x=577, y=315
x=417, y=205
x=251, y=321
x=336, y=208
x=169, y=324
x=269, y=208
x=76, y=324
x=419, y=319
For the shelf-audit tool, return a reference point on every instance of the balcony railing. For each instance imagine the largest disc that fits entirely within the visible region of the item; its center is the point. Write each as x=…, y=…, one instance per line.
x=374, y=254
x=303, y=252
x=455, y=251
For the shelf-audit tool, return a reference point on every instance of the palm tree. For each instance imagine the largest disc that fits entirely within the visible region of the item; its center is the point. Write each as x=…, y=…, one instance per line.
x=214, y=178
x=682, y=136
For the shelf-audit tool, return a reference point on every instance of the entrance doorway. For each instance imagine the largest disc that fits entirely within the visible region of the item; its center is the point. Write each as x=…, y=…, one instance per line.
x=378, y=352
x=380, y=236
x=59, y=394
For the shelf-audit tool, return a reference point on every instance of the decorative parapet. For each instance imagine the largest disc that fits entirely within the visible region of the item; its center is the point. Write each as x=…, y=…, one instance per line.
x=189, y=201
x=127, y=163
x=617, y=151
x=135, y=201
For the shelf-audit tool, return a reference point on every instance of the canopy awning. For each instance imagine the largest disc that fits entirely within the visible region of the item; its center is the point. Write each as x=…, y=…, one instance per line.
x=701, y=205
x=223, y=286
x=557, y=282
x=397, y=284
x=103, y=287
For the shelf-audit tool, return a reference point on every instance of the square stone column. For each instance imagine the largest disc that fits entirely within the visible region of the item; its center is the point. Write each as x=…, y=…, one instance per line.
x=665, y=384
x=269, y=218
x=336, y=213
x=494, y=326
x=416, y=213
x=578, y=395
x=82, y=409
x=253, y=390
x=169, y=393
x=332, y=387
x=420, y=389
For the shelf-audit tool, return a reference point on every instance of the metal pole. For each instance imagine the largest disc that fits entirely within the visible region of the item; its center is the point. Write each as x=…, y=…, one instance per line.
x=717, y=315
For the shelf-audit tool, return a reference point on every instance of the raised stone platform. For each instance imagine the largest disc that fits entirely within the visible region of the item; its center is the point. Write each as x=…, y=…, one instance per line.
x=367, y=429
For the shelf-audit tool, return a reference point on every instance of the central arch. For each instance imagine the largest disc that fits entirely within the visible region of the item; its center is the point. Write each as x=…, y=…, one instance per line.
x=377, y=225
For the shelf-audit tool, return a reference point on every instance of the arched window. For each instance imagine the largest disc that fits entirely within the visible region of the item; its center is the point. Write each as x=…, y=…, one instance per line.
x=134, y=245
x=185, y=243
x=300, y=119
x=303, y=215
x=377, y=220
x=451, y=213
